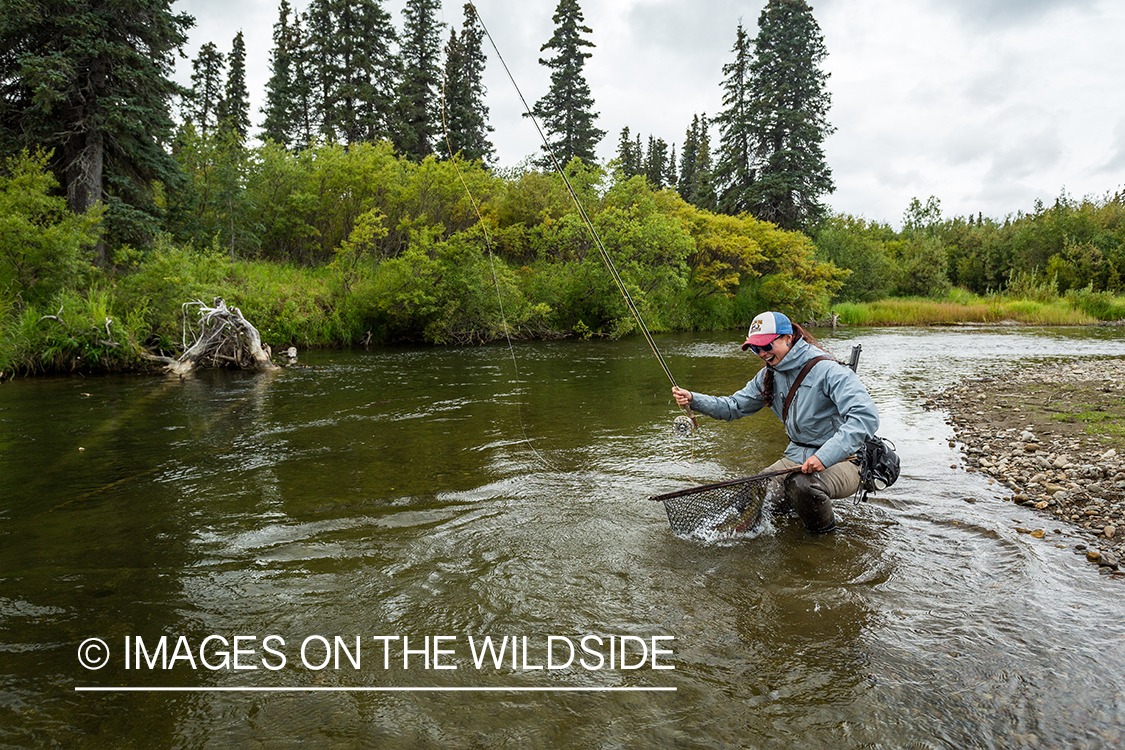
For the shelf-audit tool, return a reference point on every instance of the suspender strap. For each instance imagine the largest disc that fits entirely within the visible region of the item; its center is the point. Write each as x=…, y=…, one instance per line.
x=797, y=384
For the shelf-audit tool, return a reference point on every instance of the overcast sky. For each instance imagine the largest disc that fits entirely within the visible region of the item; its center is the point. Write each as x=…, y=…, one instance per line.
x=986, y=104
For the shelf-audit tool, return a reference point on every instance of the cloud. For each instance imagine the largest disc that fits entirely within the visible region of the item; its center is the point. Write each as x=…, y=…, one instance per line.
x=1115, y=162
x=990, y=15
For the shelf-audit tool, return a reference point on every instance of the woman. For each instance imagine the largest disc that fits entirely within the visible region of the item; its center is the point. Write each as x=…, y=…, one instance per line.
x=827, y=416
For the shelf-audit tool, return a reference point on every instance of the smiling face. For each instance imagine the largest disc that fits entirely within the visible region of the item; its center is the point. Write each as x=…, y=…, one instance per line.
x=775, y=351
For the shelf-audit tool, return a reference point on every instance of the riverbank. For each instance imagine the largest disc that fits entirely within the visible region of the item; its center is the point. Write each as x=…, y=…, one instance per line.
x=1054, y=435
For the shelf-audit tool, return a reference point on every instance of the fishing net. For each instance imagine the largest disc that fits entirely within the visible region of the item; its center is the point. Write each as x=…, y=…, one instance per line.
x=717, y=510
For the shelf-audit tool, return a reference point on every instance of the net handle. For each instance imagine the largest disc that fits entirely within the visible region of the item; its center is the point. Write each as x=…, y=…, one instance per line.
x=730, y=482
x=727, y=483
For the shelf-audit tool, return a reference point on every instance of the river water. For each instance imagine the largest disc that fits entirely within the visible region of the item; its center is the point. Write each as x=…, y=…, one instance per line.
x=423, y=500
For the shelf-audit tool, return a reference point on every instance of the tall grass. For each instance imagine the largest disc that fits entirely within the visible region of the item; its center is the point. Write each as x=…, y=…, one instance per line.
x=916, y=311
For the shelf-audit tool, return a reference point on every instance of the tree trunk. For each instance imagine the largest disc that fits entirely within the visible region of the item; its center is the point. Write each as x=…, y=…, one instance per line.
x=85, y=165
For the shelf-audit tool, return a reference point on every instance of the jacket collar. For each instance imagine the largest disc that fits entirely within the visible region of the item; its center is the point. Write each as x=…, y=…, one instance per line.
x=796, y=358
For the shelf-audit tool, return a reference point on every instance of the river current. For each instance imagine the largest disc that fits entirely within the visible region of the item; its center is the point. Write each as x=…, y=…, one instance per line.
x=454, y=548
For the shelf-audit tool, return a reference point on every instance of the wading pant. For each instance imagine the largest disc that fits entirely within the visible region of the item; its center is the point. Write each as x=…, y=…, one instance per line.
x=810, y=495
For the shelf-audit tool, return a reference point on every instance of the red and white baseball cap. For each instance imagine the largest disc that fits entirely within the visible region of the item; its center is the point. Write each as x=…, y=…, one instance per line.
x=767, y=327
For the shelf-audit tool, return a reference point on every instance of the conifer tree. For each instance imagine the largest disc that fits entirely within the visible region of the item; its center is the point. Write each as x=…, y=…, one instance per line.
x=628, y=160
x=696, y=185
x=566, y=112
x=685, y=185
x=787, y=117
x=376, y=73
x=347, y=65
x=206, y=98
x=734, y=171
x=90, y=79
x=419, y=97
x=322, y=66
x=280, y=123
x=703, y=181
x=656, y=162
x=465, y=111
x=302, y=109
x=234, y=110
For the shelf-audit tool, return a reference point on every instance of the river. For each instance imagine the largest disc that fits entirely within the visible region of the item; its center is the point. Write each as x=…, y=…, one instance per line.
x=314, y=558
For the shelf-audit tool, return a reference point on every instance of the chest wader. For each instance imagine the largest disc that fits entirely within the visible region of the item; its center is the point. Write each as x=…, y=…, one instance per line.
x=805, y=493
x=807, y=497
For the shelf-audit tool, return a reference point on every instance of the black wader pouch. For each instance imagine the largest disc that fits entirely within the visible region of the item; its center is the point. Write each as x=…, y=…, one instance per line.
x=878, y=466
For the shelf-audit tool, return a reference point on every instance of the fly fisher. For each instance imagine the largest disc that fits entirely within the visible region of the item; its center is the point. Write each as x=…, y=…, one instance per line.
x=825, y=408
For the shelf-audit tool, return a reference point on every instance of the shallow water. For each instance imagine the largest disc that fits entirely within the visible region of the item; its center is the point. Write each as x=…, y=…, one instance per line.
x=455, y=494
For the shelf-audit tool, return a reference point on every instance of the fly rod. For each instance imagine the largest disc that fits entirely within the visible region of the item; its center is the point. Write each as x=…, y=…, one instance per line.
x=585, y=218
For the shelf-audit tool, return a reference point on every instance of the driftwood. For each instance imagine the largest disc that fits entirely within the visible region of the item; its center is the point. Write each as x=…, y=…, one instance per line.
x=831, y=321
x=224, y=339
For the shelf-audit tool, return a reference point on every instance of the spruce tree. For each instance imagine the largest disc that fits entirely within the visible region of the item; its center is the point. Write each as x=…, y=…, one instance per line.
x=234, y=111
x=656, y=162
x=206, y=98
x=466, y=114
x=787, y=117
x=696, y=185
x=366, y=70
x=686, y=184
x=419, y=97
x=280, y=123
x=734, y=172
x=322, y=66
x=302, y=103
x=90, y=79
x=376, y=73
x=566, y=112
x=628, y=159
x=703, y=182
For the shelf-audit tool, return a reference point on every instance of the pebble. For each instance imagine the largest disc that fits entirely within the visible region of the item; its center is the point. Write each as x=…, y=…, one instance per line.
x=1062, y=476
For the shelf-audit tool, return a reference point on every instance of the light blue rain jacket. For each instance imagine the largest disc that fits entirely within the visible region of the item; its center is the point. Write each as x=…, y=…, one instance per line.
x=831, y=408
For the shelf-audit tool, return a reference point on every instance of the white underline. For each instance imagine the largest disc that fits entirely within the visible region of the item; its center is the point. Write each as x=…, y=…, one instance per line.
x=371, y=689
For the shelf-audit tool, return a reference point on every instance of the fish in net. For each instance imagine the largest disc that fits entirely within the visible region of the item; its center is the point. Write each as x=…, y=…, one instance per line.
x=721, y=509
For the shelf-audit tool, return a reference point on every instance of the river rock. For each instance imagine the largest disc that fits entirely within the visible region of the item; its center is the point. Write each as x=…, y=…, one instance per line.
x=1046, y=468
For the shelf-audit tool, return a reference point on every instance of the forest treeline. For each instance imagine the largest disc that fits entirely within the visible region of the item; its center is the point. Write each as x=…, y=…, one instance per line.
x=363, y=245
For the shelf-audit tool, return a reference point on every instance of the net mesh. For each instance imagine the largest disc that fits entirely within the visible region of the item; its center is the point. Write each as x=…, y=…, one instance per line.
x=715, y=510
x=719, y=510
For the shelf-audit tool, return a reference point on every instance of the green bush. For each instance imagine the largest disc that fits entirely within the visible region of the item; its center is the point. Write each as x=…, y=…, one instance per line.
x=168, y=277
x=43, y=247
x=1100, y=305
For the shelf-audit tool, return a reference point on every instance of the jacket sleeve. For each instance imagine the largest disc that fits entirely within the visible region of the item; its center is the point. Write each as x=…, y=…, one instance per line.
x=742, y=404
x=860, y=416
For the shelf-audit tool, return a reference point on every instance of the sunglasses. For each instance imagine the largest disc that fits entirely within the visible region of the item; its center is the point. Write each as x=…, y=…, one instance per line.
x=759, y=349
